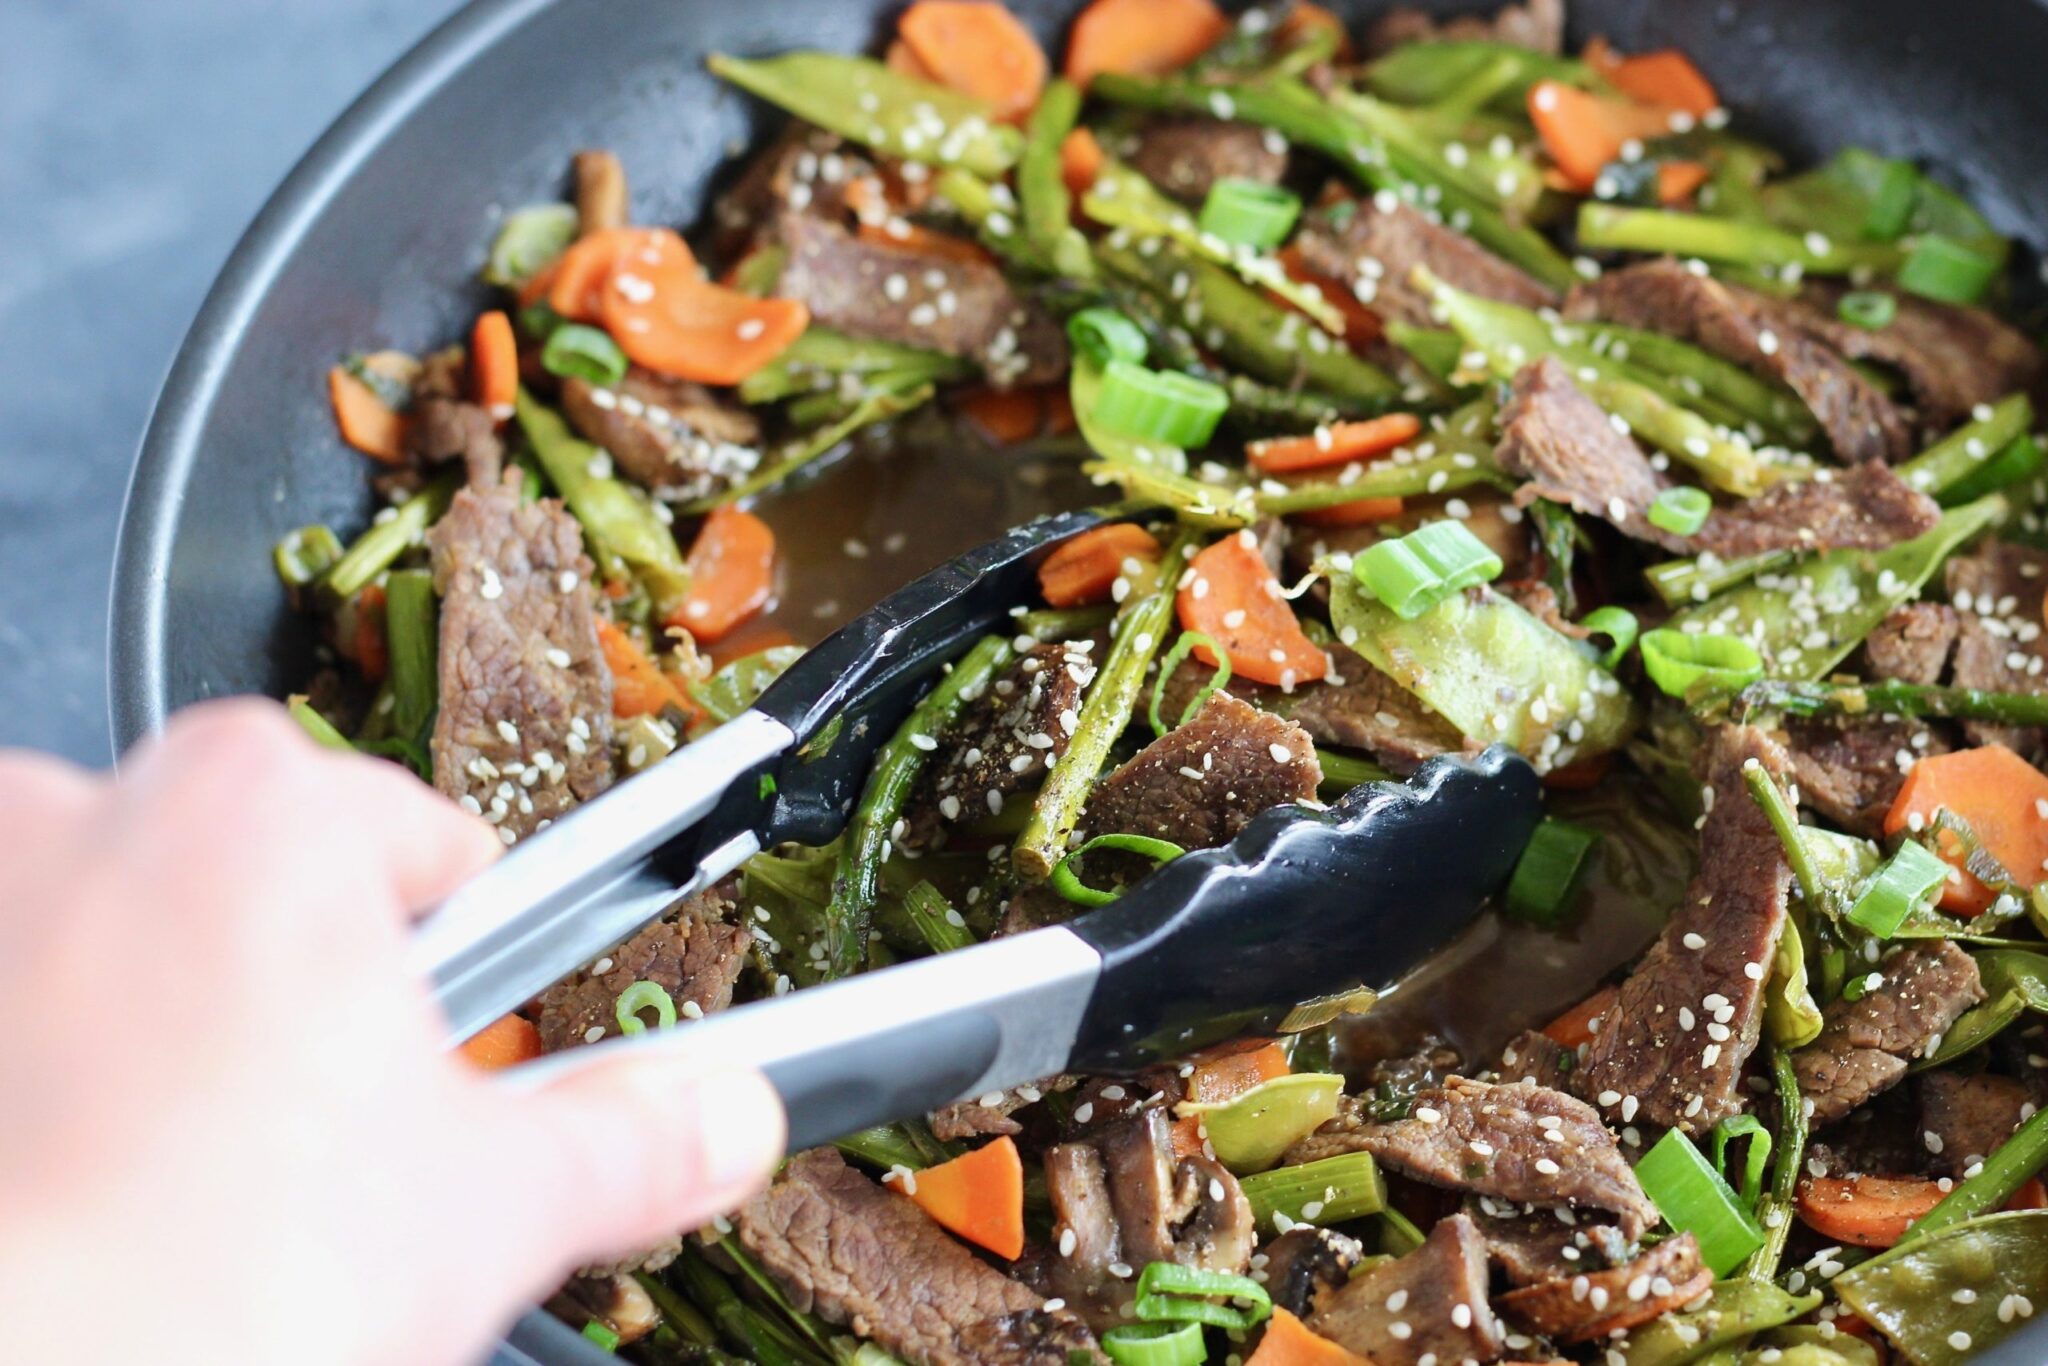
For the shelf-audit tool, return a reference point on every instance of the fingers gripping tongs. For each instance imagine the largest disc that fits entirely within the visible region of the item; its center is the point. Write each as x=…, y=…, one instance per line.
x=1305, y=905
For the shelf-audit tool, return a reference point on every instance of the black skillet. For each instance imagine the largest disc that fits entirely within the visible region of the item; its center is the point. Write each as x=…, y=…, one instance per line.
x=375, y=238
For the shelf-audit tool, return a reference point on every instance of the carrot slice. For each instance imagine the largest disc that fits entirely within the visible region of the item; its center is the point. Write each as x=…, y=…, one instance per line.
x=1362, y=512
x=1289, y=1342
x=1578, y=777
x=1666, y=77
x=2032, y=1194
x=1995, y=792
x=576, y=283
x=1338, y=444
x=503, y=1042
x=978, y=48
x=1006, y=416
x=1233, y=598
x=365, y=420
x=1081, y=161
x=1085, y=569
x=666, y=316
x=1362, y=326
x=1865, y=1211
x=748, y=638
x=901, y=59
x=1575, y=1026
x=639, y=687
x=1185, y=1136
x=1141, y=37
x=905, y=235
x=1582, y=132
x=494, y=363
x=978, y=1195
x=1225, y=1075
x=371, y=644
x=1677, y=180
x=732, y=573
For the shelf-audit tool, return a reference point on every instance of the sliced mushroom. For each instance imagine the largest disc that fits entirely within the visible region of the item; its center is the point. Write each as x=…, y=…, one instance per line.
x=617, y=1301
x=1304, y=1262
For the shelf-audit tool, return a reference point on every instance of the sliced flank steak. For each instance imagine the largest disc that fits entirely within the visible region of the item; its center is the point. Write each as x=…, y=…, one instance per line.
x=1866, y=1044
x=1429, y=1306
x=1373, y=246
x=1964, y=1118
x=1997, y=593
x=1865, y=507
x=1953, y=357
x=1590, y=1306
x=1851, y=770
x=695, y=953
x=1187, y=156
x=1535, y=24
x=1537, y=1246
x=1912, y=644
x=672, y=437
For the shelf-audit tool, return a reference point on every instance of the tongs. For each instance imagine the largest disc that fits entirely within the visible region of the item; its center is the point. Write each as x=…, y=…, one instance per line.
x=1267, y=934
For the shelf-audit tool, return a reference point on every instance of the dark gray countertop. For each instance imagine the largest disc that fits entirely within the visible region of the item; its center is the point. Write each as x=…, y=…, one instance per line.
x=136, y=141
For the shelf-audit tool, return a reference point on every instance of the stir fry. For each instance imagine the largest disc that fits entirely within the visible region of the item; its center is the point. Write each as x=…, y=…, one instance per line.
x=1454, y=391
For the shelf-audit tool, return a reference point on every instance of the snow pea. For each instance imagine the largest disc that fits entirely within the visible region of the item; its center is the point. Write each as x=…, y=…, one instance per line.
x=1737, y=1310
x=820, y=358
x=1611, y=227
x=1912, y=1292
x=1042, y=188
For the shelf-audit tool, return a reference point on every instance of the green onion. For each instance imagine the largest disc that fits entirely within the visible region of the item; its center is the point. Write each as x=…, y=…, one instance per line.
x=1867, y=308
x=1180, y=651
x=1681, y=510
x=1066, y=874
x=1693, y=1198
x=574, y=351
x=1547, y=871
x=642, y=996
x=1415, y=572
x=529, y=239
x=1104, y=335
x=1171, y=1293
x=1754, y=1161
x=2022, y=459
x=598, y=1332
x=1680, y=661
x=943, y=927
x=1619, y=625
x=1155, y=1344
x=1159, y=405
x=302, y=556
x=1891, y=202
x=1329, y=1190
x=1248, y=212
x=314, y=724
x=1908, y=878
x=1942, y=268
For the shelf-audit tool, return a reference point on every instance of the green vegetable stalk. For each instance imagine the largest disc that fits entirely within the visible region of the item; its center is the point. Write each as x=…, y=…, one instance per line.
x=378, y=548
x=821, y=360
x=1609, y=227
x=1775, y=1212
x=1046, y=206
x=1889, y=697
x=879, y=406
x=412, y=628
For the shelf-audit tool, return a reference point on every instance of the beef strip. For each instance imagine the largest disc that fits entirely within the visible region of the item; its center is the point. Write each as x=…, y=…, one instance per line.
x=1997, y=591
x=1535, y=24
x=871, y=1261
x=1187, y=156
x=670, y=436
x=1538, y=1245
x=1964, y=1119
x=1242, y=761
x=1687, y=1018
x=1865, y=1044
x=1756, y=333
x=1912, y=644
x=1374, y=245
x=1001, y=742
x=1510, y=1141
x=1536, y=1057
x=1430, y=1062
x=990, y=1114
x=891, y=293
x=1595, y=1305
x=524, y=688
x=444, y=428
x=1430, y=1305
x=1122, y=1200
x=804, y=170
x=1564, y=446
x=694, y=952
x=1306, y=1262
x=1356, y=706
x=1865, y=507
x=1850, y=771
x=1953, y=357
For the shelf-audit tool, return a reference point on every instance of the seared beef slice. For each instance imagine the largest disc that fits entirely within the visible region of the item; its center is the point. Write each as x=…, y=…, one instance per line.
x=694, y=952
x=1199, y=784
x=1997, y=593
x=1427, y=1306
x=1373, y=246
x=1865, y=1044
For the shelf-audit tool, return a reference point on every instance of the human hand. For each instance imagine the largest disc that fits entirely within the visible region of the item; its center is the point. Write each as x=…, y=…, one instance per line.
x=232, y=1133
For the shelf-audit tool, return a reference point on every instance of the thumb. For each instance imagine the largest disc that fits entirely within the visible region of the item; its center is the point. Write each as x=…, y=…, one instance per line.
x=626, y=1154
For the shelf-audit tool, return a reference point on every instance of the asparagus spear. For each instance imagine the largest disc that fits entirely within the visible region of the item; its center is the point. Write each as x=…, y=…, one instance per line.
x=1105, y=711
x=878, y=406
x=940, y=925
x=1889, y=697
x=1042, y=188
x=411, y=626
x=1611, y=227
x=376, y=549
x=1775, y=1210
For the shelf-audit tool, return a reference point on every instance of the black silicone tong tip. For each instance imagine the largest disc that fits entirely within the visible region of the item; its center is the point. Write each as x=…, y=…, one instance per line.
x=1304, y=904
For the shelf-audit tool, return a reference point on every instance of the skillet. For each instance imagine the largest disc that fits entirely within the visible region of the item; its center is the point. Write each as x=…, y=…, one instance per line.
x=376, y=235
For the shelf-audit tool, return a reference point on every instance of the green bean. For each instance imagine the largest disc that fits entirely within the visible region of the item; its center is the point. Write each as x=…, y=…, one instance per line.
x=1969, y=447
x=1105, y=712
x=1609, y=227
x=898, y=115
x=610, y=509
x=811, y=446
x=388, y=537
x=1890, y=697
x=1775, y=1212
x=820, y=359
x=314, y=724
x=1042, y=187
x=2008, y=1168
x=865, y=845
x=411, y=627
x=942, y=927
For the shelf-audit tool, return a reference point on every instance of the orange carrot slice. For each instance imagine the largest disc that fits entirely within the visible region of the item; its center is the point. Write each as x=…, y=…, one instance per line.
x=1579, y=776
x=1338, y=444
x=503, y=1042
x=371, y=644
x=978, y=48
x=667, y=317
x=366, y=421
x=577, y=281
x=978, y=1195
x=1185, y=1136
x=1305, y=19
x=1665, y=77
x=1141, y=37
x=1360, y=512
x=1575, y=1026
x=1995, y=792
x=1677, y=180
x=900, y=58
x=1362, y=326
x=1085, y=569
x=1226, y=1074
x=1233, y=598
x=494, y=364
x=1289, y=1342
x=1583, y=132
x=1006, y=416
x=639, y=687
x=1865, y=1211
x=1081, y=161
x=732, y=573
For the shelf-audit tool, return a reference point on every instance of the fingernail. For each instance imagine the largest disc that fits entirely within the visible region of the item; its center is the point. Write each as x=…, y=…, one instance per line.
x=742, y=1124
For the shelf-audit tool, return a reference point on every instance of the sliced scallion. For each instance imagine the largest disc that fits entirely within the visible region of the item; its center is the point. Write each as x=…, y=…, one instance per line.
x=1415, y=572
x=1155, y=1344
x=1066, y=874
x=1167, y=666
x=1694, y=1199
x=1159, y=405
x=1908, y=878
x=600, y=1333
x=1754, y=1161
x=1867, y=308
x=302, y=556
x=574, y=351
x=1680, y=661
x=1168, y=1292
x=1619, y=625
x=644, y=996
x=1104, y=335
x=1891, y=202
x=1942, y=268
x=1249, y=212
x=1329, y=1190
x=1547, y=872
x=528, y=239
x=1681, y=510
